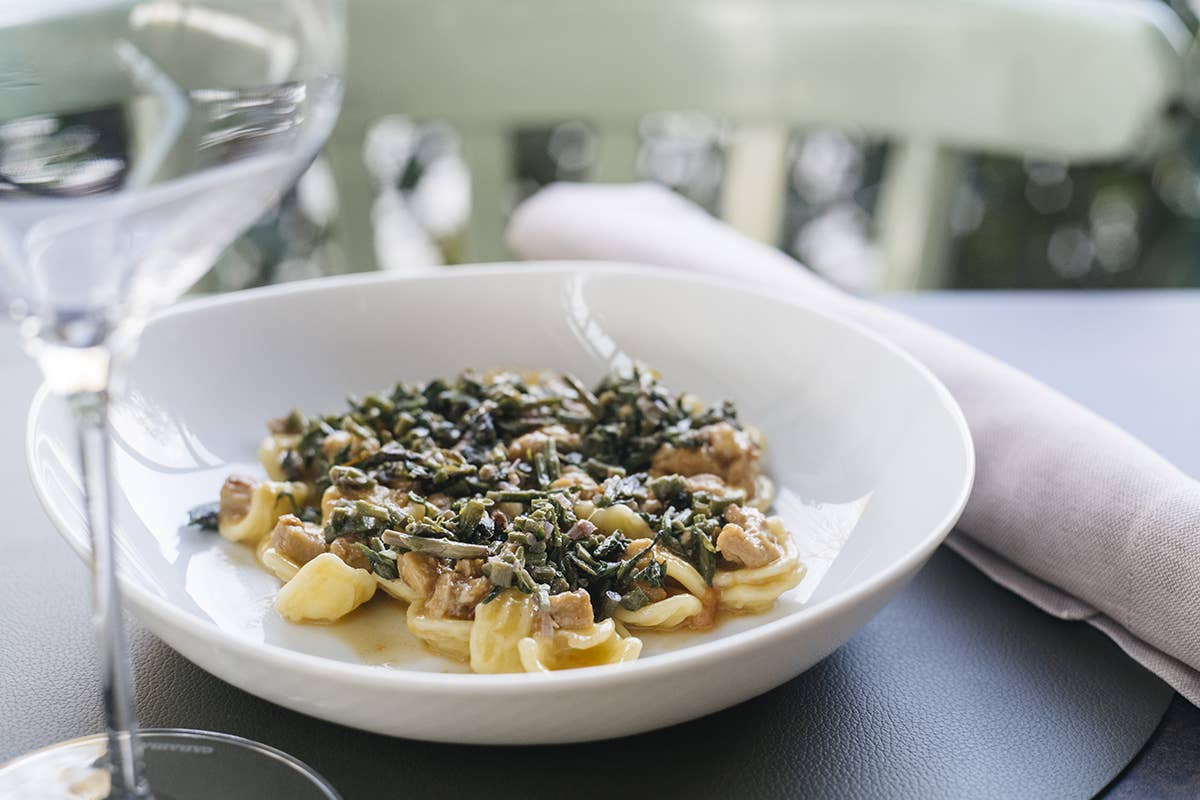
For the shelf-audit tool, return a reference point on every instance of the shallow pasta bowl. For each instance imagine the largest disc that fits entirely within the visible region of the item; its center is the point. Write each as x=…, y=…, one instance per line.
x=871, y=456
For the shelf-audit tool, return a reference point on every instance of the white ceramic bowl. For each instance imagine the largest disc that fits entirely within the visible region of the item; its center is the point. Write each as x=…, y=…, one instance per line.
x=872, y=457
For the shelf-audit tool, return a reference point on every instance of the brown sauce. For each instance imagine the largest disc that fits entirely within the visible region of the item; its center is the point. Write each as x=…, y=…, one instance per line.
x=377, y=632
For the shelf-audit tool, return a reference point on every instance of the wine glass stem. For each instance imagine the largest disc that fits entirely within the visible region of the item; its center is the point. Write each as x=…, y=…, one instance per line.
x=120, y=721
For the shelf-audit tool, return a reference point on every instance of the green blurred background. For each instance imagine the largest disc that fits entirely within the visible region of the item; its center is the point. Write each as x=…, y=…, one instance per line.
x=1014, y=224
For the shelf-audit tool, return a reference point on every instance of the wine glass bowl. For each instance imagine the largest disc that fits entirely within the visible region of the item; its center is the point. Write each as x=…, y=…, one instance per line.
x=141, y=138
x=137, y=140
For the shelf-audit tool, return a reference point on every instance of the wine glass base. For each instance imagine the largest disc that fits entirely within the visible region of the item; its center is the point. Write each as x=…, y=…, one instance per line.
x=180, y=765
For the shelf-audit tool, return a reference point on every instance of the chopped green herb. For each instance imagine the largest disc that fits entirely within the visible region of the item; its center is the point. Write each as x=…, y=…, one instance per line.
x=204, y=516
x=442, y=548
x=653, y=574
x=383, y=562
x=309, y=514
x=704, y=557
x=425, y=468
x=350, y=479
x=633, y=600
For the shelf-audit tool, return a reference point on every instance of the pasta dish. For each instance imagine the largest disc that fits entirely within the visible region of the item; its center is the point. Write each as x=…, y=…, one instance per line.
x=528, y=522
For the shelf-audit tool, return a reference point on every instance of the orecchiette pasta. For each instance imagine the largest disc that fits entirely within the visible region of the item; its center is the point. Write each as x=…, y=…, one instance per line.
x=272, y=451
x=599, y=645
x=621, y=518
x=397, y=588
x=324, y=590
x=676, y=610
x=665, y=614
x=530, y=524
x=255, y=507
x=276, y=563
x=754, y=590
x=498, y=630
x=450, y=637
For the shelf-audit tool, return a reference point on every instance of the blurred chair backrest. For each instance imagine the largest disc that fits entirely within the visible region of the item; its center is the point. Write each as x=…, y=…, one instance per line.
x=1070, y=80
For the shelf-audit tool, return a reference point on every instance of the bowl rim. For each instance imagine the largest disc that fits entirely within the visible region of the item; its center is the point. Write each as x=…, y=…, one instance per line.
x=144, y=601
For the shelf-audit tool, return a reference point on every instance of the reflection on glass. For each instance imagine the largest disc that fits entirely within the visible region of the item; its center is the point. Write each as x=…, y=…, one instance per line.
x=137, y=139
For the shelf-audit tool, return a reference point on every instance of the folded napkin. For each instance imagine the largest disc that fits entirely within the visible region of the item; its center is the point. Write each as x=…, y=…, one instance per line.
x=1067, y=510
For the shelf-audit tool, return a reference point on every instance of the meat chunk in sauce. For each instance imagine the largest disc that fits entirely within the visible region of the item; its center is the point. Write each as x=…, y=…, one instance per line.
x=706, y=482
x=346, y=548
x=236, y=495
x=726, y=452
x=571, y=610
x=469, y=567
x=573, y=476
x=745, y=540
x=534, y=441
x=300, y=541
x=456, y=596
x=418, y=570
x=439, y=500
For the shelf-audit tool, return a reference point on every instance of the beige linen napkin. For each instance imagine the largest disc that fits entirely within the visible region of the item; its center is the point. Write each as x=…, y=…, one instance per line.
x=1068, y=511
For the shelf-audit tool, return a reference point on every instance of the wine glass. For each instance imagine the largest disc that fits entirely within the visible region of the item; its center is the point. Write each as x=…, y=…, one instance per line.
x=137, y=139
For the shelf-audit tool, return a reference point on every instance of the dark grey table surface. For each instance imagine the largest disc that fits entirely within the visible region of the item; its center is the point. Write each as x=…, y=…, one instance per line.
x=1131, y=357
x=957, y=689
